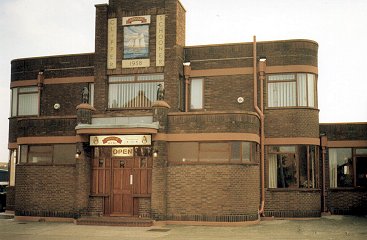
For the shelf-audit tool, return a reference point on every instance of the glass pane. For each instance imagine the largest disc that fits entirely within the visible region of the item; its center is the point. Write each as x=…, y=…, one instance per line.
x=215, y=152
x=183, y=152
x=361, y=151
x=14, y=102
x=133, y=95
x=311, y=90
x=282, y=94
x=116, y=79
x=153, y=77
x=273, y=171
x=246, y=152
x=302, y=89
x=196, y=99
x=303, y=174
x=91, y=94
x=28, y=104
x=361, y=171
x=23, y=153
x=40, y=154
x=236, y=152
x=28, y=89
x=64, y=153
x=287, y=171
x=341, y=167
x=287, y=149
x=282, y=77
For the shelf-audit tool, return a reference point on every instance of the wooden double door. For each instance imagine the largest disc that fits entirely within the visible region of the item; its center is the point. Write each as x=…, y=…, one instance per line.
x=122, y=181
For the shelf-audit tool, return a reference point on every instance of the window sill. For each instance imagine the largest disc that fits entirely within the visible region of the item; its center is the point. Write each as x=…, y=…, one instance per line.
x=288, y=108
x=48, y=164
x=293, y=189
x=348, y=189
x=213, y=163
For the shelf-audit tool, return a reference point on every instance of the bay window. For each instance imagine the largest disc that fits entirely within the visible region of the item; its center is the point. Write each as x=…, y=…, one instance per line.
x=293, y=166
x=47, y=154
x=133, y=91
x=212, y=152
x=292, y=90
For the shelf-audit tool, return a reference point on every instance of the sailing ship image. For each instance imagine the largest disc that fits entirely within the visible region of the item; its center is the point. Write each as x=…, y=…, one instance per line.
x=136, y=42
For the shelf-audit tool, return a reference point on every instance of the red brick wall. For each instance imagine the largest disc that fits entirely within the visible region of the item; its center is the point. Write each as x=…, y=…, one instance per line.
x=209, y=192
x=293, y=203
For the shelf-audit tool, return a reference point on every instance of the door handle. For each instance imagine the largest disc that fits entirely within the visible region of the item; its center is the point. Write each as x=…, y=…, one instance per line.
x=131, y=179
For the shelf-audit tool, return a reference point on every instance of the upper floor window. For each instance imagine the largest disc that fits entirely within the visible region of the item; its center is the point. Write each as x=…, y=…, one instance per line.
x=133, y=91
x=24, y=101
x=196, y=94
x=292, y=90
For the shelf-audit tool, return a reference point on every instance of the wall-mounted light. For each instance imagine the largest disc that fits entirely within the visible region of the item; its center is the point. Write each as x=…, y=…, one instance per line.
x=155, y=153
x=77, y=154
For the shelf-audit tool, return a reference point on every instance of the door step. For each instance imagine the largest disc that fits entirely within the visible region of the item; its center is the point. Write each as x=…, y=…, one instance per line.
x=115, y=221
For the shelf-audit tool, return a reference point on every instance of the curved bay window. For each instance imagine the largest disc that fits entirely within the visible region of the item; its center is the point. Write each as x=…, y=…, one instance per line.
x=292, y=90
x=212, y=152
x=293, y=166
x=133, y=91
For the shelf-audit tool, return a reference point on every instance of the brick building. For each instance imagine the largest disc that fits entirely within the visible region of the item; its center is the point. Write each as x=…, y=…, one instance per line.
x=149, y=127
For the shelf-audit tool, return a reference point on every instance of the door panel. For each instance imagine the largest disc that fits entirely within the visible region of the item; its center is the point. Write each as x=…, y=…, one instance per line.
x=122, y=187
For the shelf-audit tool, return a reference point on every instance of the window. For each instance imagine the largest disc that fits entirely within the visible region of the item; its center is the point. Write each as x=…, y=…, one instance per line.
x=293, y=166
x=348, y=167
x=196, y=96
x=24, y=101
x=48, y=154
x=133, y=91
x=292, y=90
x=233, y=152
x=91, y=94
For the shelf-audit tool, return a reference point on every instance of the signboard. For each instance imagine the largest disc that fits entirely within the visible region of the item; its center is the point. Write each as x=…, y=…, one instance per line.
x=160, y=40
x=135, y=63
x=111, y=45
x=136, y=20
x=123, y=152
x=121, y=140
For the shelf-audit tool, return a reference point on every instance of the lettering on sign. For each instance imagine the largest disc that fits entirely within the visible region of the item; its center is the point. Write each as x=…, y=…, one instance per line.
x=160, y=40
x=111, y=44
x=123, y=152
x=121, y=140
x=136, y=20
x=135, y=63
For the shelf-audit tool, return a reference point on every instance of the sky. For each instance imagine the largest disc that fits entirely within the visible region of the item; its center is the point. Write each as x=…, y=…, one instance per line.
x=32, y=28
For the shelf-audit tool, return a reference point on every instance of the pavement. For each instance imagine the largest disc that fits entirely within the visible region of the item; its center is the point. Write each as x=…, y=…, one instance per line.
x=328, y=227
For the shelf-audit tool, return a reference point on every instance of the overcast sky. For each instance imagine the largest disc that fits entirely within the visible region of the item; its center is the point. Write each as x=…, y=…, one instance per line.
x=31, y=28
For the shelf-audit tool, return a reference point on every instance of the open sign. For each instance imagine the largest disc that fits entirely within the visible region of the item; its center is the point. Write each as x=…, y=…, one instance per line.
x=123, y=152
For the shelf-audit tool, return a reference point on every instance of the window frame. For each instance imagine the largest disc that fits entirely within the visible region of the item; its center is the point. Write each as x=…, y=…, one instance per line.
x=202, y=94
x=135, y=80
x=24, y=157
x=228, y=160
x=316, y=168
x=296, y=90
x=15, y=97
x=354, y=156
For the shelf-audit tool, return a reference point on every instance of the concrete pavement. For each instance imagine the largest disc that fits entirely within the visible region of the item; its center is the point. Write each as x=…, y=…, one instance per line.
x=330, y=227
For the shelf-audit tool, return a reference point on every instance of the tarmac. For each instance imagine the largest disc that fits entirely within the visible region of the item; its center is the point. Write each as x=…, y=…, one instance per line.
x=327, y=227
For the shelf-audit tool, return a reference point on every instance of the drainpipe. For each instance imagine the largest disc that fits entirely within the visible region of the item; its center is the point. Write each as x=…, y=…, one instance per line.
x=187, y=73
x=260, y=112
x=40, y=80
x=324, y=143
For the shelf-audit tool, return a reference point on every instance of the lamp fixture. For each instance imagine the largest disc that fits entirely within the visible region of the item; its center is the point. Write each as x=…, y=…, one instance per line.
x=77, y=154
x=155, y=153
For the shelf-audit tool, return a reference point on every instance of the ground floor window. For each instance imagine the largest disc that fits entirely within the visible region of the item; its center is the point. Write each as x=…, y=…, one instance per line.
x=348, y=167
x=212, y=152
x=48, y=154
x=293, y=166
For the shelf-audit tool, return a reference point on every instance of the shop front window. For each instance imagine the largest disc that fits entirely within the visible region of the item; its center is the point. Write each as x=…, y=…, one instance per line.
x=48, y=154
x=348, y=167
x=292, y=166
